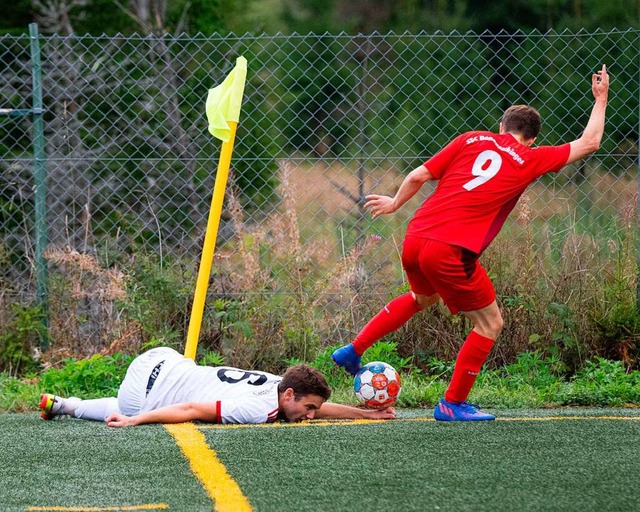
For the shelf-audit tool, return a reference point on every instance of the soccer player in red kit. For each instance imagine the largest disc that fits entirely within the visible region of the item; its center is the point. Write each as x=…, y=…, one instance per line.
x=481, y=176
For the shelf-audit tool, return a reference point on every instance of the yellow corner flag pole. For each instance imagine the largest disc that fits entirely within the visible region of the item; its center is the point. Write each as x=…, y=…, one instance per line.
x=223, y=113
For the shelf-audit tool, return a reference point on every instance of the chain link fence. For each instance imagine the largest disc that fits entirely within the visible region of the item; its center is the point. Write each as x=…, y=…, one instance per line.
x=326, y=120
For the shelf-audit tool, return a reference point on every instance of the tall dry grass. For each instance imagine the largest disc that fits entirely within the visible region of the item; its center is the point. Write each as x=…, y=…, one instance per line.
x=566, y=287
x=84, y=308
x=555, y=285
x=292, y=297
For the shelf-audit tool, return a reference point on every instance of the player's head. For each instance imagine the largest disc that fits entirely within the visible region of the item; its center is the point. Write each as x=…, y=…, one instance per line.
x=301, y=392
x=522, y=120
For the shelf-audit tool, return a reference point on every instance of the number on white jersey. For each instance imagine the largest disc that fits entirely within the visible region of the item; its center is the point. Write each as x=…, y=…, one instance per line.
x=483, y=175
x=232, y=376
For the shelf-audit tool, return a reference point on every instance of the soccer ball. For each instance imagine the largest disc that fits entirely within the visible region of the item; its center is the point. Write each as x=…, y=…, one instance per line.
x=377, y=385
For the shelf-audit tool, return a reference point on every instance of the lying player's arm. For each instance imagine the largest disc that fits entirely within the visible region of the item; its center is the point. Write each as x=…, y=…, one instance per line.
x=380, y=205
x=178, y=413
x=589, y=142
x=331, y=411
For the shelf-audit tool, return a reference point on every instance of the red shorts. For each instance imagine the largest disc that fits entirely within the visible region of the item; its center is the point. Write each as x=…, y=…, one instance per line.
x=451, y=271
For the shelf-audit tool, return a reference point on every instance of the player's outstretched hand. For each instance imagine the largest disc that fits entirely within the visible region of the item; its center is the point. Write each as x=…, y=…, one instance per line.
x=119, y=420
x=600, y=84
x=379, y=205
x=384, y=414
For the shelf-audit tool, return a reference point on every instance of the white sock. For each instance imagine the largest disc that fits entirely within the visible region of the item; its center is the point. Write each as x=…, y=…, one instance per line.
x=69, y=405
x=97, y=409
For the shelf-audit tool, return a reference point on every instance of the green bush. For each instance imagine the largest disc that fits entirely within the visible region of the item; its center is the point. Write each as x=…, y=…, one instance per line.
x=18, y=395
x=20, y=340
x=95, y=377
x=534, y=381
x=604, y=383
x=157, y=299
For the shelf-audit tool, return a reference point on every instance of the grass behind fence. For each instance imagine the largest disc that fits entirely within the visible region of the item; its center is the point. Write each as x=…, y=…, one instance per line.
x=566, y=284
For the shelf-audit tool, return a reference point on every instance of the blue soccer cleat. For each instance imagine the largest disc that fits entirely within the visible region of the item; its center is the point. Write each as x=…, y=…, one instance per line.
x=446, y=411
x=347, y=358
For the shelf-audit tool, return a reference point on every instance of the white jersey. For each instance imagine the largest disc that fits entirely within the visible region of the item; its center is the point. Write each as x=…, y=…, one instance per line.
x=238, y=396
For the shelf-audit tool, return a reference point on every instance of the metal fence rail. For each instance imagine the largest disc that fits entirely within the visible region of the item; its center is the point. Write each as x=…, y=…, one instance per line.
x=326, y=120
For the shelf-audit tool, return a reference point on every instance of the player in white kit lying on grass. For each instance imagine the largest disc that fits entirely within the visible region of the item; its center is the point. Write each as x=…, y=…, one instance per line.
x=162, y=386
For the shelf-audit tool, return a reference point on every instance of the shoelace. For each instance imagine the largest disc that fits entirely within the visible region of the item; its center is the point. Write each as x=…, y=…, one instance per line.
x=467, y=404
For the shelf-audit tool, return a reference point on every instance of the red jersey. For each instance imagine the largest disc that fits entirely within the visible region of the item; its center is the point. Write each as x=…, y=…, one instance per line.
x=481, y=177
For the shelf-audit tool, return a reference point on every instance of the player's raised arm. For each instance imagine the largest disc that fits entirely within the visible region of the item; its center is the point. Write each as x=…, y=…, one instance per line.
x=589, y=142
x=380, y=205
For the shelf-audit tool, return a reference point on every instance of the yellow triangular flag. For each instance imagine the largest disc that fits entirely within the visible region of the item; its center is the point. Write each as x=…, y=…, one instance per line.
x=225, y=100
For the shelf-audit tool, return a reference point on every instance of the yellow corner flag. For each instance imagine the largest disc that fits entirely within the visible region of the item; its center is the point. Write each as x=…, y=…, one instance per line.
x=224, y=102
x=223, y=113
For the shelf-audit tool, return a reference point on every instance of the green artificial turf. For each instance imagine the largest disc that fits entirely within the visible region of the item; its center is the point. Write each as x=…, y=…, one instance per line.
x=416, y=466
x=75, y=463
x=527, y=460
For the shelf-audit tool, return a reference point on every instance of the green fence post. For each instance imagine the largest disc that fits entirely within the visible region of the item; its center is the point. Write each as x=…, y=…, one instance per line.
x=638, y=203
x=39, y=178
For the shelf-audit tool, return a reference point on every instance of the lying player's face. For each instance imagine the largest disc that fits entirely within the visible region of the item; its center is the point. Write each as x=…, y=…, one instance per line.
x=302, y=408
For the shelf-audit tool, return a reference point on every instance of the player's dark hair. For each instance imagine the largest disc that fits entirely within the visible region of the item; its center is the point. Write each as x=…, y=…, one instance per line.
x=521, y=119
x=304, y=380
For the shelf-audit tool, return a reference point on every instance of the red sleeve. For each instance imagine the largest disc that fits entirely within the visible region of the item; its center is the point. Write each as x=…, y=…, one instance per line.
x=218, y=412
x=439, y=162
x=552, y=158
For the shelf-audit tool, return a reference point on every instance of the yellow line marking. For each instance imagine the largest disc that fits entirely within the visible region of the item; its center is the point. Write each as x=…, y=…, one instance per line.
x=223, y=490
x=312, y=423
x=324, y=423
x=150, y=506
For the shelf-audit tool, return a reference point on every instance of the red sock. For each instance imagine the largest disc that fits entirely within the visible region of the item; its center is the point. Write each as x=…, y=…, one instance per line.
x=472, y=355
x=391, y=317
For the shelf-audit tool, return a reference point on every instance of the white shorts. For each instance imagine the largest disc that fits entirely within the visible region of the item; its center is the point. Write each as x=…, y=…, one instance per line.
x=133, y=390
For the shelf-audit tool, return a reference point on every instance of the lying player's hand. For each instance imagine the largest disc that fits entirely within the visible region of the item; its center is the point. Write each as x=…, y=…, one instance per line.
x=383, y=414
x=379, y=205
x=119, y=420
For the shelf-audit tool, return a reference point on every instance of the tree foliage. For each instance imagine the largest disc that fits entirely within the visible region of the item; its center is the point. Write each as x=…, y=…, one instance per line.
x=319, y=16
